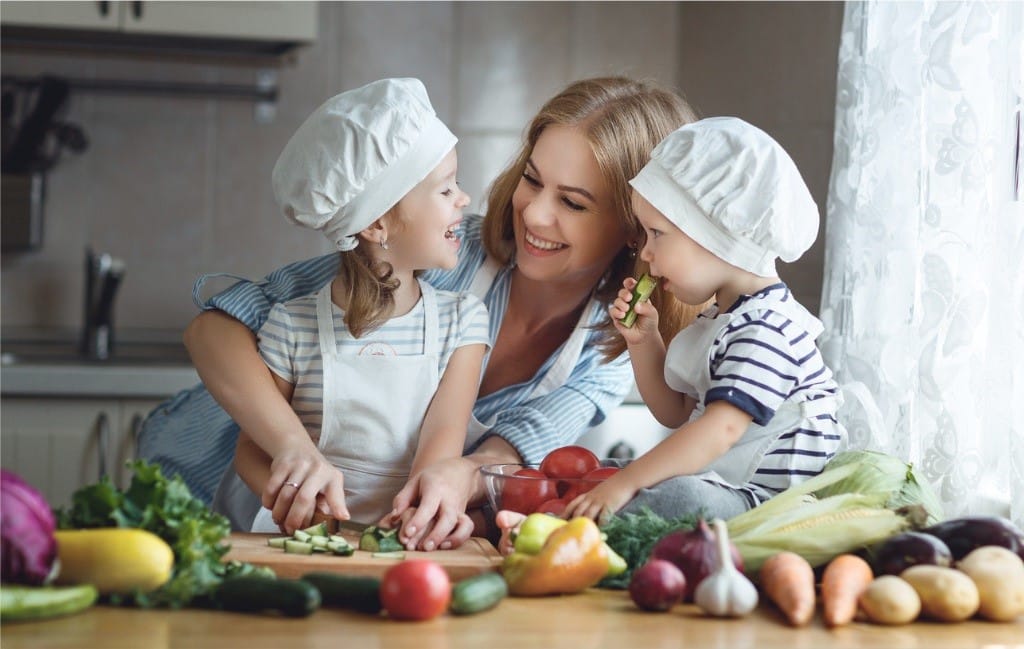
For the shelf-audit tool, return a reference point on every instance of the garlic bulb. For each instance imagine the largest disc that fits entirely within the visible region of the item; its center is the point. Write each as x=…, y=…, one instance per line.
x=726, y=592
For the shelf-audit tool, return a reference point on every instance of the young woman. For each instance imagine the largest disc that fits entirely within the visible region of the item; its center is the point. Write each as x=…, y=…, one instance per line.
x=557, y=241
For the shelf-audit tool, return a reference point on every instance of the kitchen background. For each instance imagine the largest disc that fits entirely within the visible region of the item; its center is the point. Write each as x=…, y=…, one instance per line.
x=177, y=186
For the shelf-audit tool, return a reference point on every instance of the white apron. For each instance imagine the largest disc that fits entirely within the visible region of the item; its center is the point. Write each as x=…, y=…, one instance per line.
x=690, y=372
x=560, y=370
x=373, y=407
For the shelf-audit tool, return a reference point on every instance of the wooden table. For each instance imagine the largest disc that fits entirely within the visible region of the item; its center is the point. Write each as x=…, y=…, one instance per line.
x=597, y=618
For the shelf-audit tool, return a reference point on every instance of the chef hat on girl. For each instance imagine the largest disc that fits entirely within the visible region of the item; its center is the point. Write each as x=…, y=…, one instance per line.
x=734, y=190
x=357, y=155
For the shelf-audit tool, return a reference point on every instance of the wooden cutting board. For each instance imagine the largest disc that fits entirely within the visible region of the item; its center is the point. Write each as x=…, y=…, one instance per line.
x=476, y=556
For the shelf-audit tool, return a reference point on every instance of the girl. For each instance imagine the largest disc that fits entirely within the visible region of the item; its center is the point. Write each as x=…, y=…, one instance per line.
x=745, y=386
x=381, y=368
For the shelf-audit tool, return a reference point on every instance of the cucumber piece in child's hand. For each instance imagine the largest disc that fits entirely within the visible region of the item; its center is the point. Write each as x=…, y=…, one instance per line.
x=641, y=292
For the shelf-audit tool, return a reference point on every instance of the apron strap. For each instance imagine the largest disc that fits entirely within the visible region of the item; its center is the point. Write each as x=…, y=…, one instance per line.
x=197, y=288
x=325, y=322
x=569, y=356
x=431, y=344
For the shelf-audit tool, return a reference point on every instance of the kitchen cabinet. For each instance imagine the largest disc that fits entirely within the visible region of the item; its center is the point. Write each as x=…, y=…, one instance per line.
x=273, y=21
x=60, y=444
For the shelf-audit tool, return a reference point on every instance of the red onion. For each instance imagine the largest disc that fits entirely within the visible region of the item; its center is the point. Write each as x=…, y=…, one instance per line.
x=694, y=553
x=28, y=547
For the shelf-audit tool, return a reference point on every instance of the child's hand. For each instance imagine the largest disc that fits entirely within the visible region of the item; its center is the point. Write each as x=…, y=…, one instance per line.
x=600, y=502
x=646, y=323
x=508, y=522
x=301, y=485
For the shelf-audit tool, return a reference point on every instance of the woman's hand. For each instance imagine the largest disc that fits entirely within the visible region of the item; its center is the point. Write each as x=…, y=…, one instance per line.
x=321, y=487
x=646, y=324
x=440, y=493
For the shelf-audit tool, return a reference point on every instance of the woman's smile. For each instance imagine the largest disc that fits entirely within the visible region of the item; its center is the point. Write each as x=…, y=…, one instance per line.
x=539, y=245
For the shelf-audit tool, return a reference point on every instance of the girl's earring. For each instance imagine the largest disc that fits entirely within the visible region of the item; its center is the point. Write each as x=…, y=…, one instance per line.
x=632, y=250
x=384, y=244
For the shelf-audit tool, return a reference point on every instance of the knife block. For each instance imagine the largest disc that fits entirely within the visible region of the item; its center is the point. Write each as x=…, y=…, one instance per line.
x=21, y=218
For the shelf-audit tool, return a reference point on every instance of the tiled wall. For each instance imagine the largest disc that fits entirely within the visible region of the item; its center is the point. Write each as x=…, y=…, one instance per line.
x=180, y=186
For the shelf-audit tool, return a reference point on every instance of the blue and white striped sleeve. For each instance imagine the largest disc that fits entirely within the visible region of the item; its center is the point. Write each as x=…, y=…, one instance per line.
x=541, y=425
x=277, y=343
x=474, y=321
x=250, y=302
x=758, y=365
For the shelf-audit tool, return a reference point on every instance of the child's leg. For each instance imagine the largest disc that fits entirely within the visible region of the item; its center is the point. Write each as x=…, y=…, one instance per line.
x=686, y=494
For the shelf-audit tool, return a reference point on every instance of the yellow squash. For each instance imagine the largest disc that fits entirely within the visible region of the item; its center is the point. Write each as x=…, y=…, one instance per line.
x=115, y=560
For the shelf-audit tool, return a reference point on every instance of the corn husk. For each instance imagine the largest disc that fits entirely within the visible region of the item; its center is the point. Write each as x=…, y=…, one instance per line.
x=885, y=474
x=861, y=498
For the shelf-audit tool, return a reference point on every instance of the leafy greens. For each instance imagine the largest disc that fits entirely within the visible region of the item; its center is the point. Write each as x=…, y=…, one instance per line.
x=166, y=508
x=633, y=535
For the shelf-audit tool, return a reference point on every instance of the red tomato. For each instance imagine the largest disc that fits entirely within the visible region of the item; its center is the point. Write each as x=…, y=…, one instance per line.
x=589, y=481
x=418, y=589
x=569, y=462
x=526, y=490
x=555, y=507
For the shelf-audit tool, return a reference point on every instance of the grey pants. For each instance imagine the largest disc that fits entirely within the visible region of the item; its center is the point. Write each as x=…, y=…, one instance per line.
x=687, y=494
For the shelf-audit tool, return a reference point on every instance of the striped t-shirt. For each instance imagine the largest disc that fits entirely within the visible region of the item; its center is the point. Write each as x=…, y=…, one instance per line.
x=764, y=359
x=289, y=342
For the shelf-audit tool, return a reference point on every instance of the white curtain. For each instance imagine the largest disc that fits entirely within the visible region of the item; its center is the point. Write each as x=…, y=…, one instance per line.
x=923, y=299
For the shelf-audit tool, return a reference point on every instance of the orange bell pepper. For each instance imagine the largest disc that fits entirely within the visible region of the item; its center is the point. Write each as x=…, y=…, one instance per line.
x=574, y=557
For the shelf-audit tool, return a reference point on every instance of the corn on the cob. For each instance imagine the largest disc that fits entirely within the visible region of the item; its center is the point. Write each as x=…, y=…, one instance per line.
x=855, y=502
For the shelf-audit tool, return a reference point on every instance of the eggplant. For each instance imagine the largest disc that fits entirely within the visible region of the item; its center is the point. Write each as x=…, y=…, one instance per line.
x=896, y=554
x=965, y=534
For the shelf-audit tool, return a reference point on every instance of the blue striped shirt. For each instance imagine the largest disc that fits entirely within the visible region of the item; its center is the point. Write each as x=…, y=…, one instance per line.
x=289, y=343
x=192, y=435
x=761, y=360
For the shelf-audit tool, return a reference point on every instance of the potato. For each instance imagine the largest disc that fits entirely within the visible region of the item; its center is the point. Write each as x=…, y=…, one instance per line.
x=947, y=594
x=999, y=575
x=890, y=600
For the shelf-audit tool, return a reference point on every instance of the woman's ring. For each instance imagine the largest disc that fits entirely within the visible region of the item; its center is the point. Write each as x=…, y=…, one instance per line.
x=293, y=484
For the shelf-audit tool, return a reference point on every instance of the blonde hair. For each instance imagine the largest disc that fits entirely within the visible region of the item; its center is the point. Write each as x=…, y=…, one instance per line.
x=368, y=283
x=623, y=119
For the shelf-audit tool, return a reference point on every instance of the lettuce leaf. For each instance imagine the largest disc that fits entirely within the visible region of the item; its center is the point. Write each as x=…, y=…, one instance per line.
x=165, y=507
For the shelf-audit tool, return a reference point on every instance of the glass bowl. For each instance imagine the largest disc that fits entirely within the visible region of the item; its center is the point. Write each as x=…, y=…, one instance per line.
x=531, y=490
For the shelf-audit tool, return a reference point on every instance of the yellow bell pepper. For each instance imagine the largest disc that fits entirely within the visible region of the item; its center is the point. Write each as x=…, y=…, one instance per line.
x=573, y=558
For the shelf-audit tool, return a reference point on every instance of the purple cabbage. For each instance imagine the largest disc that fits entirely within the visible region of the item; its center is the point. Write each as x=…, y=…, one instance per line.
x=26, y=526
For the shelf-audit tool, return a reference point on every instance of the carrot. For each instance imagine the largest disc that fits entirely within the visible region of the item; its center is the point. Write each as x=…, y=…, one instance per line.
x=843, y=582
x=788, y=580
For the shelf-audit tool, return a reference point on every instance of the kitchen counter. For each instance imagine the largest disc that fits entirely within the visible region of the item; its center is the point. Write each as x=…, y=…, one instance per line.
x=47, y=363
x=597, y=618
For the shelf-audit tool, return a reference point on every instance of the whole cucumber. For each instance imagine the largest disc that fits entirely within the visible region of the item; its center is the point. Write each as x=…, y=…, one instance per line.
x=253, y=594
x=39, y=602
x=478, y=593
x=353, y=592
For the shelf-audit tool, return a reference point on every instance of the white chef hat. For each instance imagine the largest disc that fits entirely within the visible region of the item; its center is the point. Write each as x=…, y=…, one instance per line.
x=357, y=155
x=734, y=190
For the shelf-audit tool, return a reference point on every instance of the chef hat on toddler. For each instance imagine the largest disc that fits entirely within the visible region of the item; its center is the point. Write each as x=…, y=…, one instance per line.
x=357, y=155
x=734, y=190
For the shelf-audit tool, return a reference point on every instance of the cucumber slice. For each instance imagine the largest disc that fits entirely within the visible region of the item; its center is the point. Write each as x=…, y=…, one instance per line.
x=375, y=539
x=302, y=535
x=320, y=529
x=278, y=541
x=291, y=546
x=641, y=292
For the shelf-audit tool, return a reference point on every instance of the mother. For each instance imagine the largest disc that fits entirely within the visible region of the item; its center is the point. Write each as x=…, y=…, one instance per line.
x=548, y=257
